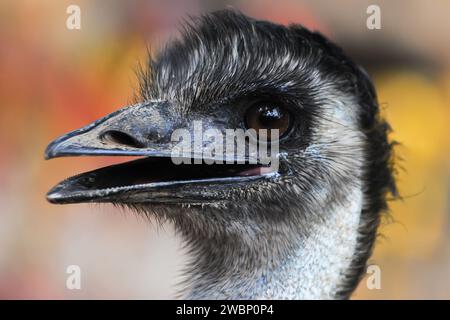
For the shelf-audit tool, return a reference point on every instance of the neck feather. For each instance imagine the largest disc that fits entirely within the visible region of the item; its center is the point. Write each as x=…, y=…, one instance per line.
x=312, y=268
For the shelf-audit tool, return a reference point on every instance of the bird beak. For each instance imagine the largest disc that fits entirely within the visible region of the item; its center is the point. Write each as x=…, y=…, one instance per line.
x=122, y=133
x=141, y=130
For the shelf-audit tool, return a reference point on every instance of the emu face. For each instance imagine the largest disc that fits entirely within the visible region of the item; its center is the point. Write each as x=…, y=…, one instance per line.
x=303, y=230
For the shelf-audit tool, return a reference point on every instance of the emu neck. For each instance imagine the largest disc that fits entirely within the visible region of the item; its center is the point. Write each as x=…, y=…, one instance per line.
x=311, y=268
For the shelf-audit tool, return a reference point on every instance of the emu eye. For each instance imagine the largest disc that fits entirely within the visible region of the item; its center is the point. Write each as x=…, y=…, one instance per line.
x=268, y=116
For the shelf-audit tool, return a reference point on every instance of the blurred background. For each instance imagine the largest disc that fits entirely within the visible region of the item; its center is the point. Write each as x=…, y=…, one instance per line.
x=53, y=80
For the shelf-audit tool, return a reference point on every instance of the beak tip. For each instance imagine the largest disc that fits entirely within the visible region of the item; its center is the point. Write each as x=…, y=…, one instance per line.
x=58, y=148
x=47, y=155
x=50, y=152
x=52, y=149
x=57, y=195
x=53, y=197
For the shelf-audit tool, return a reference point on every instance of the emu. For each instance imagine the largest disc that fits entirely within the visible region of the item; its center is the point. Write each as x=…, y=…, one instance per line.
x=305, y=231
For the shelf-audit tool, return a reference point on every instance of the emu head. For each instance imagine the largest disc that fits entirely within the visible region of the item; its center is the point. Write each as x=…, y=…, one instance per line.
x=302, y=229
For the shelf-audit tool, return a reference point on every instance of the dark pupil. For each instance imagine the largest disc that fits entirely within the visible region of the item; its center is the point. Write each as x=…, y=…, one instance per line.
x=269, y=116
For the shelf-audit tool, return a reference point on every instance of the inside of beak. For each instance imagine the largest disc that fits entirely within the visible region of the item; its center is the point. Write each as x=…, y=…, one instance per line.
x=158, y=170
x=150, y=173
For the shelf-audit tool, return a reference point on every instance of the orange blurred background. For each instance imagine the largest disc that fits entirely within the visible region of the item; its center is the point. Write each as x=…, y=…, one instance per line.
x=53, y=80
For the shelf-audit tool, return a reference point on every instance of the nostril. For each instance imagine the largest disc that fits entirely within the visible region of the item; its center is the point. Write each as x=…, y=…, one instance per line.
x=122, y=138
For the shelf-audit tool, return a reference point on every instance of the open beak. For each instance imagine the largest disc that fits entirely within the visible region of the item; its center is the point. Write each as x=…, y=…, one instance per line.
x=143, y=130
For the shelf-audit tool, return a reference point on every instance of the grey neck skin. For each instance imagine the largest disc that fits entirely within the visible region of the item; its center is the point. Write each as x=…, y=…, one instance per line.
x=313, y=268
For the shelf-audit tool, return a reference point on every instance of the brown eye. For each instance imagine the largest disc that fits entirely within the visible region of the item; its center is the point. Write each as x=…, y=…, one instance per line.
x=268, y=116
